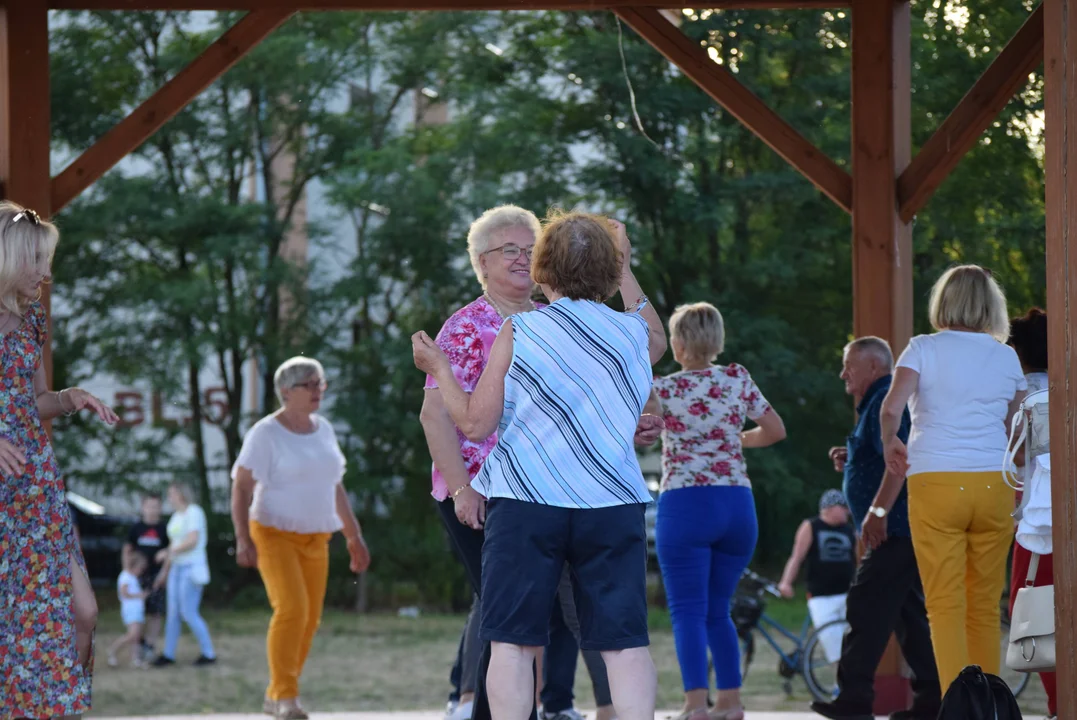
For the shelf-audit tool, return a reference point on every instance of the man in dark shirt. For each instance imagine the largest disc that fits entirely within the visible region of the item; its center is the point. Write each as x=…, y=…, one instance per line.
x=886, y=595
x=149, y=536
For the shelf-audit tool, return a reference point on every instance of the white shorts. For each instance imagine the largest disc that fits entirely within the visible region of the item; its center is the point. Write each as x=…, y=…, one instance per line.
x=133, y=615
x=824, y=610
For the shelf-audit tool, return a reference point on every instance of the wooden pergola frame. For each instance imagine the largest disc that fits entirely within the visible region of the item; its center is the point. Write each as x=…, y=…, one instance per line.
x=884, y=191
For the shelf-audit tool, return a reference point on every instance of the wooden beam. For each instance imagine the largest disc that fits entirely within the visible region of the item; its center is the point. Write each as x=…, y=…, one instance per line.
x=390, y=5
x=882, y=241
x=740, y=102
x=163, y=105
x=1060, y=99
x=977, y=110
x=24, y=115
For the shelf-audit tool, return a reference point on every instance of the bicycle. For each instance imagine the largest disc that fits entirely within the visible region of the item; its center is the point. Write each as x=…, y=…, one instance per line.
x=808, y=657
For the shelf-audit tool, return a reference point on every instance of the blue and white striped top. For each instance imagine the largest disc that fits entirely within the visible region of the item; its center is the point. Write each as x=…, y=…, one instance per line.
x=579, y=378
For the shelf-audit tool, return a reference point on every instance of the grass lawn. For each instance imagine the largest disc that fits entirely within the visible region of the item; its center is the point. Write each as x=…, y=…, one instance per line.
x=381, y=662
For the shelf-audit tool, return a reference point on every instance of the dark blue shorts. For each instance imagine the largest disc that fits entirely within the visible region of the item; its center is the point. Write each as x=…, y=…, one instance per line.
x=526, y=548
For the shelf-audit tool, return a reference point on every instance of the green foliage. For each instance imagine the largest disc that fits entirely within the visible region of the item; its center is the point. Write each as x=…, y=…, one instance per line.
x=170, y=265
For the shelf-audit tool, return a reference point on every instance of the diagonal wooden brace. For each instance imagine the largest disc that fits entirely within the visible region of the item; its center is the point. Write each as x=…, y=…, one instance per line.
x=976, y=111
x=740, y=102
x=164, y=104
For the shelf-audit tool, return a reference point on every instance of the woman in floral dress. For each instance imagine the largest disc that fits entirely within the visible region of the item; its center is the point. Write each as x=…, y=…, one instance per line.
x=47, y=607
x=706, y=527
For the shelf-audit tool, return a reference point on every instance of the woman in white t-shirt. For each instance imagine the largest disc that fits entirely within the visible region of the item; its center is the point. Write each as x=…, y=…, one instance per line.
x=188, y=575
x=287, y=501
x=963, y=385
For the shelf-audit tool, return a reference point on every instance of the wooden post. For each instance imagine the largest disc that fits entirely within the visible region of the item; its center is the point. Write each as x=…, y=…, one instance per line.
x=24, y=114
x=1060, y=95
x=882, y=242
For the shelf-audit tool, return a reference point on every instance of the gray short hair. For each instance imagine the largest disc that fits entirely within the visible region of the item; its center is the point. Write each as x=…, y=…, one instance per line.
x=493, y=221
x=296, y=371
x=874, y=346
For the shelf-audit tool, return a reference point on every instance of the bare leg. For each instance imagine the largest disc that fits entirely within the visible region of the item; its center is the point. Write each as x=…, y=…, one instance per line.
x=510, y=681
x=540, y=657
x=695, y=700
x=728, y=704
x=605, y=712
x=633, y=682
x=84, y=608
x=131, y=637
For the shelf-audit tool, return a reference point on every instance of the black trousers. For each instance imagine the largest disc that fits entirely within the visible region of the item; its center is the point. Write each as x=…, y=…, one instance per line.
x=887, y=598
x=468, y=545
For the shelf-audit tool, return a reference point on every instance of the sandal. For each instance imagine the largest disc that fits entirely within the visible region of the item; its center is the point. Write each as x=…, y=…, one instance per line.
x=730, y=714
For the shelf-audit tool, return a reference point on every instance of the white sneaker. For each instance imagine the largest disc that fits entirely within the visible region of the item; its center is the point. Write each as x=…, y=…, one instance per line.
x=462, y=711
x=113, y=662
x=450, y=708
x=566, y=714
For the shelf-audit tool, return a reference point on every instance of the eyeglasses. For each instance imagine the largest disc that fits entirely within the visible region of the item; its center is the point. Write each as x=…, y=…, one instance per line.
x=313, y=385
x=511, y=252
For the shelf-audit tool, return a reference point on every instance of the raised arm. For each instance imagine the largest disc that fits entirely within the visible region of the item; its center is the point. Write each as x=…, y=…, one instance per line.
x=632, y=294
x=478, y=414
x=801, y=545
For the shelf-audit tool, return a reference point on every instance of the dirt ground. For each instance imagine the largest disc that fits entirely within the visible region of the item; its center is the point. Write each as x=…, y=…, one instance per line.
x=371, y=663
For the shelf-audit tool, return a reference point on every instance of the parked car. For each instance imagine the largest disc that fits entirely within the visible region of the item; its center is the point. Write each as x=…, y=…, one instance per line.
x=101, y=536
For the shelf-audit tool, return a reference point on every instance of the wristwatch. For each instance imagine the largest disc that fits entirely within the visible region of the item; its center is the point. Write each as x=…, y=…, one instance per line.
x=877, y=511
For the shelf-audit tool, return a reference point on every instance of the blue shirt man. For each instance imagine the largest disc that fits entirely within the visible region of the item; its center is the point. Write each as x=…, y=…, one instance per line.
x=864, y=463
x=886, y=594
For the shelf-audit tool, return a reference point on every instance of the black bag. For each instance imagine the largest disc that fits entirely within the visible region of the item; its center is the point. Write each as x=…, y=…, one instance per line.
x=975, y=695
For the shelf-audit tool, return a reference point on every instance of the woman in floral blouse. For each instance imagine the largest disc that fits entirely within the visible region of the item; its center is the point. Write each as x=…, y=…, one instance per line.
x=706, y=529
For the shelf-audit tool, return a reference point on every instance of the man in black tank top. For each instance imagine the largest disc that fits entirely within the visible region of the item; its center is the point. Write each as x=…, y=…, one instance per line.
x=828, y=543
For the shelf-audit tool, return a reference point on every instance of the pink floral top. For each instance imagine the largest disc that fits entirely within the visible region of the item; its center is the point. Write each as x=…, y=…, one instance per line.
x=467, y=339
x=705, y=411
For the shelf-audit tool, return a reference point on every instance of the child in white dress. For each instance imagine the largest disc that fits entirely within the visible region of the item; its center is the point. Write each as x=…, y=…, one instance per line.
x=132, y=609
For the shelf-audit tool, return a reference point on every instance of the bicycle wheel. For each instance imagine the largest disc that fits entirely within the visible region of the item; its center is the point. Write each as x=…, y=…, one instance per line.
x=747, y=652
x=819, y=660
x=1017, y=681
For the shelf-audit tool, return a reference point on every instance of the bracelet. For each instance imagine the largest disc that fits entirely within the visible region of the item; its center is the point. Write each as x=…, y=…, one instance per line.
x=60, y=401
x=459, y=490
x=638, y=305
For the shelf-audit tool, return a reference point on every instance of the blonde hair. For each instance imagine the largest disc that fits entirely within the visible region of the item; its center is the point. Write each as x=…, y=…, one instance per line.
x=577, y=256
x=25, y=240
x=699, y=330
x=967, y=297
x=491, y=222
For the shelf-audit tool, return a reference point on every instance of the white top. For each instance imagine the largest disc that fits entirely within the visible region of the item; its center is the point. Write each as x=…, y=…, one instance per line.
x=967, y=381
x=296, y=475
x=182, y=524
x=129, y=583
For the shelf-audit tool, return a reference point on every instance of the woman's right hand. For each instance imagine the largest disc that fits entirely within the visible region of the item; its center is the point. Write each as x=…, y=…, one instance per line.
x=470, y=508
x=897, y=457
x=246, y=554
x=620, y=234
x=12, y=459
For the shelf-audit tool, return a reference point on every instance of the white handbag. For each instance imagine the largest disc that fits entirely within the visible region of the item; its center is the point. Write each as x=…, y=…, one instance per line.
x=1032, y=626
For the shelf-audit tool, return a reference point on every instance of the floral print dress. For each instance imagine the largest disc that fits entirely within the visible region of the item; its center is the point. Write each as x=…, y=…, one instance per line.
x=705, y=411
x=40, y=674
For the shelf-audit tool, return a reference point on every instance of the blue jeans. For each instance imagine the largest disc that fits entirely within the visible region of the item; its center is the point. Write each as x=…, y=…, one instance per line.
x=705, y=537
x=184, y=597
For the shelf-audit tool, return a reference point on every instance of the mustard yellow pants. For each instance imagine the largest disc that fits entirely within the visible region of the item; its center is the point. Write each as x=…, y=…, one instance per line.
x=294, y=569
x=961, y=533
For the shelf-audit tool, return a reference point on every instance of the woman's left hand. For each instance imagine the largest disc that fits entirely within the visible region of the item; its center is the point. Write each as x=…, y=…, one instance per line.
x=78, y=399
x=359, y=553
x=649, y=429
x=428, y=356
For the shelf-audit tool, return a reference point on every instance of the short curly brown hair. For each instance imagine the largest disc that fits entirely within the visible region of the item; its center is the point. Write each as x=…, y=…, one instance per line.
x=577, y=256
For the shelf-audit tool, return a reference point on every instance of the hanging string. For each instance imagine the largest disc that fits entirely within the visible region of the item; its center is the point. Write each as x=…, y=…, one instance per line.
x=628, y=81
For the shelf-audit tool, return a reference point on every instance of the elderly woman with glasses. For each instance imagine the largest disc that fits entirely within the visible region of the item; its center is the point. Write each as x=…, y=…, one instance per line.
x=287, y=501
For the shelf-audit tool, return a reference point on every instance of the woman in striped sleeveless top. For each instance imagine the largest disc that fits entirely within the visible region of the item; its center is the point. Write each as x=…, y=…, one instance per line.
x=564, y=388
